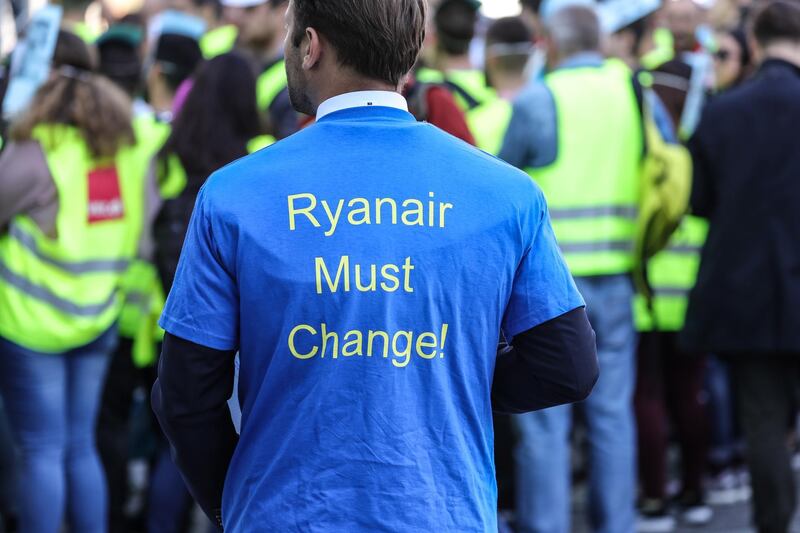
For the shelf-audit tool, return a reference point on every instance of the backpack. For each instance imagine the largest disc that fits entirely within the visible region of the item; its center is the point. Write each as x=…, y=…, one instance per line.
x=665, y=189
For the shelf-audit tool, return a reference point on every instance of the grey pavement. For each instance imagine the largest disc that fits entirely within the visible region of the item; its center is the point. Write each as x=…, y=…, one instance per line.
x=727, y=519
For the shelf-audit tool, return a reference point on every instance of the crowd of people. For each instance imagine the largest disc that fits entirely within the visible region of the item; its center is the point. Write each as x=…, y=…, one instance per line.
x=144, y=103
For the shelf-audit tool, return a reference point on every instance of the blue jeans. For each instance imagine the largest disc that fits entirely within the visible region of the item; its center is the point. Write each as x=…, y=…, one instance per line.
x=726, y=444
x=542, y=454
x=52, y=402
x=168, y=501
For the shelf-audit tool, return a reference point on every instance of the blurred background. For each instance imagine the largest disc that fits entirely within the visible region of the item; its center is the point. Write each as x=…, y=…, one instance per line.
x=617, y=92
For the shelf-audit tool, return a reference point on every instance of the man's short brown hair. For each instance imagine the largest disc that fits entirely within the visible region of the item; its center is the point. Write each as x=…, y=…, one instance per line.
x=379, y=39
x=777, y=20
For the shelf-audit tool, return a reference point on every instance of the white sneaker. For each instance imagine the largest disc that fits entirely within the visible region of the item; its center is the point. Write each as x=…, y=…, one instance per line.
x=697, y=515
x=654, y=518
x=656, y=524
x=724, y=489
x=743, y=478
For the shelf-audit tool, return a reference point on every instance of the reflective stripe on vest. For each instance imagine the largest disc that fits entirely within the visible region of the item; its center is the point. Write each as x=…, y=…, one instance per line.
x=60, y=293
x=592, y=188
x=270, y=84
x=28, y=241
x=577, y=213
x=43, y=293
x=672, y=274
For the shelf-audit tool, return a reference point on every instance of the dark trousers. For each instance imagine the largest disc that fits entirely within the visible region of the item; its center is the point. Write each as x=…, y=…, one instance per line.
x=504, y=442
x=113, y=431
x=669, y=389
x=766, y=387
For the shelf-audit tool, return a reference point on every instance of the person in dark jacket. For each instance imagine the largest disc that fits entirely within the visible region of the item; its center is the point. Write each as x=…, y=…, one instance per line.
x=747, y=161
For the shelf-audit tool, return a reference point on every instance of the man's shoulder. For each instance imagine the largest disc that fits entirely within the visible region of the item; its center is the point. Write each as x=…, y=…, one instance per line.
x=534, y=95
x=294, y=160
x=735, y=97
x=757, y=91
x=268, y=163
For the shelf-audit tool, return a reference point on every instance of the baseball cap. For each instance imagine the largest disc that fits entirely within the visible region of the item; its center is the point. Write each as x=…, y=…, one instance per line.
x=129, y=34
x=178, y=50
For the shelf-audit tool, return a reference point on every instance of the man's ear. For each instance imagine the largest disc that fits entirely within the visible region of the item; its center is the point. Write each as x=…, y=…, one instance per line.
x=313, y=49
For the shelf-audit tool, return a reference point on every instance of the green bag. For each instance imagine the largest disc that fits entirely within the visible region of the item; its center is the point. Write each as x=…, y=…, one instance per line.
x=666, y=187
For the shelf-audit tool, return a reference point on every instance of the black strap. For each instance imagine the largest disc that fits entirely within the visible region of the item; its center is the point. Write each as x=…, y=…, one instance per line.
x=472, y=103
x=638, y=90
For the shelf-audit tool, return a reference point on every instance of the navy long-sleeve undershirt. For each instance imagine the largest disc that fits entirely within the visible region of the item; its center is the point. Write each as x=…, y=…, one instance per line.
x=552, y=364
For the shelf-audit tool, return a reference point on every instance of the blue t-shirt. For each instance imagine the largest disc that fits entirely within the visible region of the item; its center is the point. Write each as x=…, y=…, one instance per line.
x=363, y=268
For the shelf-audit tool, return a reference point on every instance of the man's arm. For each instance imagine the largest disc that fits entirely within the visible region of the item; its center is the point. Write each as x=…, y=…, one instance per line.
x=190, y=400
x=548, y=365
x=531, y=140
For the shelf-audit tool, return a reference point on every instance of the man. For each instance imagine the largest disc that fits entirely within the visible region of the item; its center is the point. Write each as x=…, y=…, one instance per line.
x=508, y=48
x=509, y=43
x=447, y=51
x=447, y=45
x=579, y=135
x=744, y=304
x=454, y=29
x=681, y=18
x=260, y=25
x=368, y=339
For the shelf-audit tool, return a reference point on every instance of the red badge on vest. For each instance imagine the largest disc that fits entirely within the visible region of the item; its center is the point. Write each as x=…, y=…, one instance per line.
x=105, y=200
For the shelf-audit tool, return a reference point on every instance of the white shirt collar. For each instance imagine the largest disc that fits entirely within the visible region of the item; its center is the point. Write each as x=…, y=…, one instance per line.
x=362, y=99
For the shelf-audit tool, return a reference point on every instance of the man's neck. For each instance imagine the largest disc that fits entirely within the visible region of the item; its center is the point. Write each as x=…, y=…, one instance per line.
x=337, y=88
x=507, y=87
x=784, y=50
x=562, y=60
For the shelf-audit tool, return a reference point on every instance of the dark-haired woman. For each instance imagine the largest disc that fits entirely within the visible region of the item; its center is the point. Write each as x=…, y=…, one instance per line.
x=732, y=60
x=213, y=127
x=72, y=201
